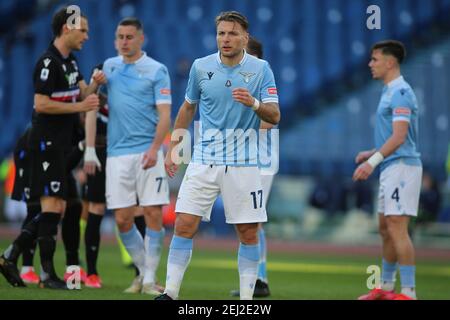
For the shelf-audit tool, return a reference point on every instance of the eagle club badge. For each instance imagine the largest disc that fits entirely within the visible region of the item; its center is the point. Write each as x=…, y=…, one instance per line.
x=247, y=76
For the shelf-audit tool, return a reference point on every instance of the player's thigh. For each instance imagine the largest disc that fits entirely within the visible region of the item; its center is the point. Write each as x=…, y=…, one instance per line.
x=401, y=185
x=199, y=190
x=48, y=177
x=152, y=184
x=243, y=195
x=121, y=181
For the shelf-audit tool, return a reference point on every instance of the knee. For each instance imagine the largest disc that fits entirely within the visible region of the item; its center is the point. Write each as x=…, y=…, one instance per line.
x=185, y=227
x=248, y=233
x=124, y=224
x=97, y=208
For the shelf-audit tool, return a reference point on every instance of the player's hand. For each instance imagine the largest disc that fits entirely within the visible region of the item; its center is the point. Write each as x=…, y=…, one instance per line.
x=91, y=162
x=91, y=102
x=150, y=158
x=364, y=155
x=99, y=77
x=363, y=172
x=170, y=166
x=243, y=96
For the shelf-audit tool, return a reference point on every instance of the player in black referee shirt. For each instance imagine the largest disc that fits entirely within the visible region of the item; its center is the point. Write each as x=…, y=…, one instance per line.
x=60, y=93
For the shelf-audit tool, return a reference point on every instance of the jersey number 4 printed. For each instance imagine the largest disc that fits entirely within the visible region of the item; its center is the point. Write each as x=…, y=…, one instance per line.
x=258, y=195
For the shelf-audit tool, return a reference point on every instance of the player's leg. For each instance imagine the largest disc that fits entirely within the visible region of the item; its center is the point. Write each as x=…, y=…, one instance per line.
x=121, y=197
x=389, y=261
x=49, y=183
x=248, y=258
x=92, y=242
x=154, y=236
x=70, y=231
x=180, y=252
x=403, y=191
x=27, y=272
x=243, y=198
x=196, y=196
x=95, y=194
x=153, y=193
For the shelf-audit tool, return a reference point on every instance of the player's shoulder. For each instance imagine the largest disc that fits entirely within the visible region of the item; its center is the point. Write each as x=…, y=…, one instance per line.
x=256, y=63
x=47, y=60
x=402, y=89
x=113, y=61
x=206, y=60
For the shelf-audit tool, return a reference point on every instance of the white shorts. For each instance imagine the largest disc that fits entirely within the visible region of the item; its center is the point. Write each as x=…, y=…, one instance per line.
x=240, y=187
x=127, y=183
x=266, y=181
x=400, y=190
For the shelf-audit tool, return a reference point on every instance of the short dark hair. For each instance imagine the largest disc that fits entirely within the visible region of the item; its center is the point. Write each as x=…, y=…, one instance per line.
x=391, y=47
x=232, y=16
x=254, y=47
x=60, y=18
x=131, y=21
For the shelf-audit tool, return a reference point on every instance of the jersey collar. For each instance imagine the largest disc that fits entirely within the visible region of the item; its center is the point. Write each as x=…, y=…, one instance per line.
x=395, y=82
x=241, y=63
x=138, y=61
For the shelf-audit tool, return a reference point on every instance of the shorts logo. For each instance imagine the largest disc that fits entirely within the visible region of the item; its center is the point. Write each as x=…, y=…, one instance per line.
x=164, y=91
x=44, y=74
x=26, y=191
x=45, y=165
x=55, y=186
x=272, y=91
x=21, y=172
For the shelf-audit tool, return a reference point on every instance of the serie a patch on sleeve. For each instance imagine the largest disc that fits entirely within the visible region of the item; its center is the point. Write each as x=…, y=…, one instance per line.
x=402, y=111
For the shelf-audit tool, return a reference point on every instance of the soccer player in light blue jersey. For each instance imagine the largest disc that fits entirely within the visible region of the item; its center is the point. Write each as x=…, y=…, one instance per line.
x=139, y=103
x=234, y=91
x=396, y=135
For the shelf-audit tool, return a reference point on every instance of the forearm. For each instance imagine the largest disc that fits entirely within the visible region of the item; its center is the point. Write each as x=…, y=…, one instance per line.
x=161, y=130
x=87, y=90
x=183, y=119
x=269, y=112
x=391, y=144
x=91, y=128
x=44, y=105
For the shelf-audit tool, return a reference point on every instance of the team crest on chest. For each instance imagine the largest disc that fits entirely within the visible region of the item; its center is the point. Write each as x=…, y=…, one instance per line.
x=247, y=76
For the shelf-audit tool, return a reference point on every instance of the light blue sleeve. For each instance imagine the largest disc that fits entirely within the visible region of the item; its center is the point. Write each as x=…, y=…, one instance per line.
x=162, y=86
x=269, y=92
x=193, y=90
x=402, y=106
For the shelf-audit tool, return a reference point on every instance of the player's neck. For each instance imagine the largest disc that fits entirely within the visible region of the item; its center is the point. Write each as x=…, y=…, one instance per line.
x=394, y=74
x=133, y=58
x=62, y=48
x=232, y=61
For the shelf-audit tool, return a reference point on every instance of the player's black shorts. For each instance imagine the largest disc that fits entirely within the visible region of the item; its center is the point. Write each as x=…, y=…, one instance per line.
x=21, y=190
x=48, y=174
x=72, y=190
x=95, y=186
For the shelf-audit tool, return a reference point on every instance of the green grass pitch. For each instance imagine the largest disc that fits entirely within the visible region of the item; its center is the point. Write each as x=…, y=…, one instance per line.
x=213, y=273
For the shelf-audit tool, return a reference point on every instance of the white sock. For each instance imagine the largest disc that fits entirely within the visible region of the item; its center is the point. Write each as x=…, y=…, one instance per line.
x=152, y=242
x=388, y=286
x=179, y=257
x=133, y=242
x=26, y=269
x=410, y=292
x=248, y=259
